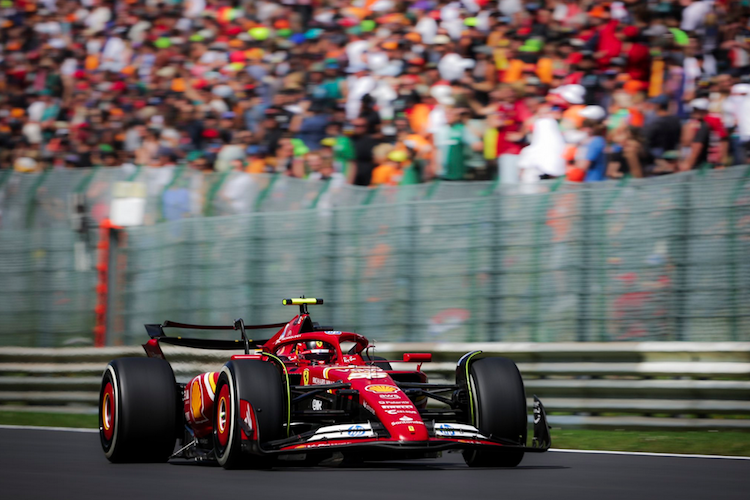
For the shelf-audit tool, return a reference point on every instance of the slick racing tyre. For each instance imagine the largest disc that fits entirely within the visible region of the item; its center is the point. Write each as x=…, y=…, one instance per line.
x=138, y=410
x=499, y=401
x=260, y=384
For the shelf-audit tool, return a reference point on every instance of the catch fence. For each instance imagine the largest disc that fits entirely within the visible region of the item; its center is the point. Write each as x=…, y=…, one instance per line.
x=638, y=259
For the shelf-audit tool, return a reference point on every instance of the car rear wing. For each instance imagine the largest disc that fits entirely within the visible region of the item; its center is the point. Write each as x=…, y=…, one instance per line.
x=157, y=336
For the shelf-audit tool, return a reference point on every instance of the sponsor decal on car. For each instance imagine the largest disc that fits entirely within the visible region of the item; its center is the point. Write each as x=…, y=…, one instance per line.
x=457, y=431
x=445, y=430
x=356, y=431
x=381, y=389
x=366, y=374
x=321, y=381
x=397, y=408
x=332, y=332
x=306, y=377
x=322, y=445
x=368, y=407
x=343, y=431
x=389, y=396
x=406, y=420
x=317, y=404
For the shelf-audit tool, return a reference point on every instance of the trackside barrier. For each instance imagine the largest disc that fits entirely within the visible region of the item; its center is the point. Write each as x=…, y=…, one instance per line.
x=659, y=385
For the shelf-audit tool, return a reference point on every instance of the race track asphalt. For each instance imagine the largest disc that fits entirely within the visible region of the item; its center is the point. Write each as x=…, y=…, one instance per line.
x=43, y=464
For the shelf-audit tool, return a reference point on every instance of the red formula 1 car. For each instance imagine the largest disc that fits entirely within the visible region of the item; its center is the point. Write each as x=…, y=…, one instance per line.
x=309, y=394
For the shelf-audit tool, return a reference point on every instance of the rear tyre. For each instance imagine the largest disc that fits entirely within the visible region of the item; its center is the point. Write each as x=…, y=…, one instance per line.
x=499, y=402
x=138, y=410
x=260, y=384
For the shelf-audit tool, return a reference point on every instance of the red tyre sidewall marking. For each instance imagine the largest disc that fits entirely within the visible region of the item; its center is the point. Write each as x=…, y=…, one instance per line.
x=223, y=415
x=108, y=412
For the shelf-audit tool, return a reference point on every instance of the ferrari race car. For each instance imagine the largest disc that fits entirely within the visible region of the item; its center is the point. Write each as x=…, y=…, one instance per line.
x=310, y=394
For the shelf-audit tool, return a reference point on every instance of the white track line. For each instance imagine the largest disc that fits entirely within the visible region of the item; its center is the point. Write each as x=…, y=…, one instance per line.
x=650, y=454
x=560, y=450
x=42, y=428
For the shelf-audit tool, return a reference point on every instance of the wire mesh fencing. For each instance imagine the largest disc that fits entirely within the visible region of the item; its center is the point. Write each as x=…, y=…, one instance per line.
x=635, y=260
x=638, y=259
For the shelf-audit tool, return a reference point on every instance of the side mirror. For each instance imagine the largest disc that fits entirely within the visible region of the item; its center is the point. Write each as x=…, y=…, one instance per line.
x=417, y=357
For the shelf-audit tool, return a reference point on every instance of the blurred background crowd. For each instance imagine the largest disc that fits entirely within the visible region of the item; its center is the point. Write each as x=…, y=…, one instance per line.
x=377, y=91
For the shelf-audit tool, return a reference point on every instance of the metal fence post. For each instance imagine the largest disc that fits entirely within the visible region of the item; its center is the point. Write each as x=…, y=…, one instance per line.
x=733, y=256
x=601, y=218
x=332, y=275
x=474, y=295
x=358, y=256
x=476, y=222
x=256, y=258
x=323, y=189
x=31, y=197
x=312, y=228
x=208, y=204
x=176, y=177
x=266, y=191
x=681, y=263
x=135, y=174
x=112, y=286
x=432, y=189
x=584, y=311
x=410, y=271
x=5, y=174
x=496, y=304
x=539, y=223
x=256, y=265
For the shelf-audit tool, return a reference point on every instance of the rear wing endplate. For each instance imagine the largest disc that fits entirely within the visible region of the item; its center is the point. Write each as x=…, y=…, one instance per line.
x=157, y=335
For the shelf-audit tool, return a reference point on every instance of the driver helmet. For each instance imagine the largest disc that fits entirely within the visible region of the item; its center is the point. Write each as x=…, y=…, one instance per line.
x=316, y=351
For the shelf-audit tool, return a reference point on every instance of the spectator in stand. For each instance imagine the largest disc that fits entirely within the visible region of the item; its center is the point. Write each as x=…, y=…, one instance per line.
x=662, y=133
x=696, y=135
x=258, y=85
x=593, y=158
x=363, y=145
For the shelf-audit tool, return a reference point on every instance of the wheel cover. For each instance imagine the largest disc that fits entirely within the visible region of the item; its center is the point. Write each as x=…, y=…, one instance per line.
x=107, y=423
x=223, y=416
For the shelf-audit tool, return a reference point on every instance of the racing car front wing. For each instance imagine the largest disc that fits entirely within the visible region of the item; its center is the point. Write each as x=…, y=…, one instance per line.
x=372, y=436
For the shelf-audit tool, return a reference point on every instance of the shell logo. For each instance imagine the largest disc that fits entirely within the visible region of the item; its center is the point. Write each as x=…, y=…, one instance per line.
x=202, y=393
x=196, y=401
x=380, y=389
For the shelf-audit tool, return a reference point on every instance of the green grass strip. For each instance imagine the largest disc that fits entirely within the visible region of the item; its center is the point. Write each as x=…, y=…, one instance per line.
x=87, y=421
x=691, y=442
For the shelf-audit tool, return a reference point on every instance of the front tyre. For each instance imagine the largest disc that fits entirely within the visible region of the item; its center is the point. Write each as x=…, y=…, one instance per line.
x=499, y=401
x=138, y=409
x=258, y=383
